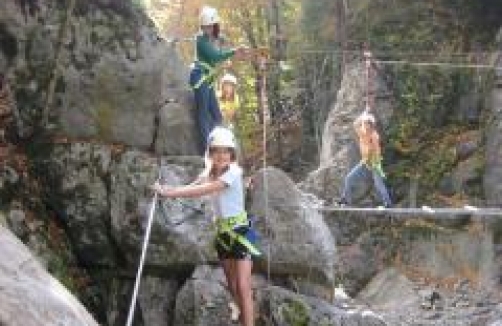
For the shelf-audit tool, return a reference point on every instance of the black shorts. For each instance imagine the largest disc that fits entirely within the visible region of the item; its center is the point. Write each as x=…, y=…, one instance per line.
x=228, y=247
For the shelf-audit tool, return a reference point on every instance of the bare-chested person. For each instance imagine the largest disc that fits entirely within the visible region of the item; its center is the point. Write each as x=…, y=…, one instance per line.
x=371, y=160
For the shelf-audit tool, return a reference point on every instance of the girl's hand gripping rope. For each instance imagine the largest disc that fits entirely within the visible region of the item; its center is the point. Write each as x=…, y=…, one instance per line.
x=162, y=190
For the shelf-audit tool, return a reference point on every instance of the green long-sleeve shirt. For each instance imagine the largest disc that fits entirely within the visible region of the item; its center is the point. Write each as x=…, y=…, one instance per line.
x=210, y=54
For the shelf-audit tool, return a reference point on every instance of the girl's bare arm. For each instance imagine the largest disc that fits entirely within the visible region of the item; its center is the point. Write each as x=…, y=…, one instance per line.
x=190, y=191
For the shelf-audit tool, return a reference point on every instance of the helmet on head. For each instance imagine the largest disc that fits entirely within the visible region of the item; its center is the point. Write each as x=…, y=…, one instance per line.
x=209, y=16
x=229, y=78
x=368, y=117
x=221, y=137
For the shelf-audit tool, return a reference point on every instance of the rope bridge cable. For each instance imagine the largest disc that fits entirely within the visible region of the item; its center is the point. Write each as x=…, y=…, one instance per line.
x=440, y=212
x=175, y=40
x=359, y=53
x=439, y=64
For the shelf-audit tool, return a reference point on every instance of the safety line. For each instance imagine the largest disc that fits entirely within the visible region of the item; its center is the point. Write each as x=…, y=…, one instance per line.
x=383, y=53
x=264, y=104
x=448, y=212
x=132, y=307
x=359, y=53
x=438, y=64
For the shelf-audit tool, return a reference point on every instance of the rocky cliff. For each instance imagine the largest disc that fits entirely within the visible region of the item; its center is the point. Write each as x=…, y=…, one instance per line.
x=102, y=110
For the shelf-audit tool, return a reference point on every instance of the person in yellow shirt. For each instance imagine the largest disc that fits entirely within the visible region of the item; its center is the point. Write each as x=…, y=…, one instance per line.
x=371, y=160
x=228, y=99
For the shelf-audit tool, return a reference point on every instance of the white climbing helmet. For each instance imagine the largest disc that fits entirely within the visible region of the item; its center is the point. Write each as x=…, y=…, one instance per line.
x=209, y=16
x=221, y=137
x=366, y=116
x=229, y=78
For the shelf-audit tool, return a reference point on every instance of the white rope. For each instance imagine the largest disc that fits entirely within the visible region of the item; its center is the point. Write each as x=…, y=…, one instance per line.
x=401, y=212
x=438, y=64
x=264, y=151
x=132, y=307
x=381, y=53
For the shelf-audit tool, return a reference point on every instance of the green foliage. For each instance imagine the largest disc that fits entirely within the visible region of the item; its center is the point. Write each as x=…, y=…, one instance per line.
x=422, y=133
x=295, y=313
x=59, y=267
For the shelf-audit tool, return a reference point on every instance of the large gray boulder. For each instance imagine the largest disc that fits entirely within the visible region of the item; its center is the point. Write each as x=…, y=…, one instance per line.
x=177, y=132
x=29, y=296
x=101, y=194
x=454, y=248
x=339, y=152
x=157, y=300
x=288, y=308
x=174, y=245
x=203, y=301
x=295, y=238
x=118, y=98
x=493, y=171
x=76, y=177
x=115, y=74
x=390, y=289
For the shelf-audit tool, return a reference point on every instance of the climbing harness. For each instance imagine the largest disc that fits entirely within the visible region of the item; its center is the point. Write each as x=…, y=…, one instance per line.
x=228, y=225
x=377, y=167
x=202, y=72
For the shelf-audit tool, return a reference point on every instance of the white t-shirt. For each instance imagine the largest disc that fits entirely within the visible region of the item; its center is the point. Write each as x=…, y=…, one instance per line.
x=230, y=201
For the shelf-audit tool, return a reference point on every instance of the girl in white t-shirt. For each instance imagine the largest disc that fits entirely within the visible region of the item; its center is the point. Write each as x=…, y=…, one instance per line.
x=234, y=240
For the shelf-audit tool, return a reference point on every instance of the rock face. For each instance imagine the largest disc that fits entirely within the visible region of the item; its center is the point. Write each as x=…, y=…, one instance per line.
x=104, y=203
x=493, y=171
x=77, y=175
x=459, y=248
x=203, y=301
x=389, y=289
x=157, y=299
x=294, y=234
x=115, y=75
x=176, y=118
x=25, y=283
x=182, y=233
x=339, y=148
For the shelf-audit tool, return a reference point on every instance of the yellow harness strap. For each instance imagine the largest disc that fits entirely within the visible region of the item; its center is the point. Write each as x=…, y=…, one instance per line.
x=209, y=76
x=227, y=225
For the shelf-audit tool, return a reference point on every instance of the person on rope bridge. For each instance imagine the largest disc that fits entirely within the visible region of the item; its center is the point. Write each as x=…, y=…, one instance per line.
x=371, y=160
x=235, y=240
x=203, y=73
x=228, y=100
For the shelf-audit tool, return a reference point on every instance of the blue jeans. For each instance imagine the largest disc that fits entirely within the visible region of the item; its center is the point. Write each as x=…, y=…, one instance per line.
x=360, y=170
x=208, y=112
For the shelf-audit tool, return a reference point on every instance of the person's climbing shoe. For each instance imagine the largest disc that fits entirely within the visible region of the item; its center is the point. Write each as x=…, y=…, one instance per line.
x=342, y=202
x=234, y=311
x=384, y=206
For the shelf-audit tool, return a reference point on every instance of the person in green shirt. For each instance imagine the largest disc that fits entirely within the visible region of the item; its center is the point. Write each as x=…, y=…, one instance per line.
x=202, y=76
